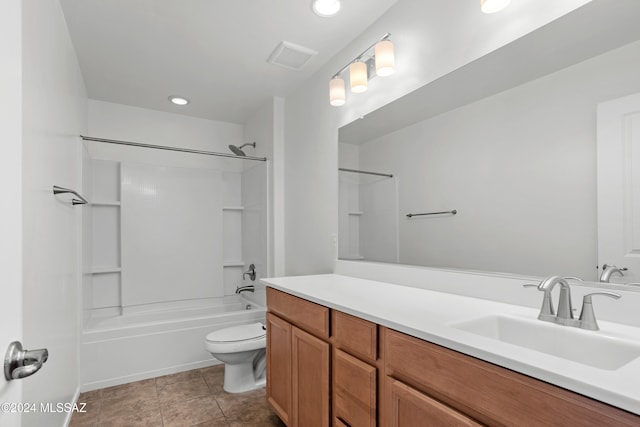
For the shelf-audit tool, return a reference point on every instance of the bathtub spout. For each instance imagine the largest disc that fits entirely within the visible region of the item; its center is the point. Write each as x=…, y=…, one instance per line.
x=248, y=288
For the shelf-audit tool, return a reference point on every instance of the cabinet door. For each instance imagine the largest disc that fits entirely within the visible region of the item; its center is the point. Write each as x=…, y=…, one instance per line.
x=279, y=366
x=310, y=378
x=354, y=390
x=411, y=408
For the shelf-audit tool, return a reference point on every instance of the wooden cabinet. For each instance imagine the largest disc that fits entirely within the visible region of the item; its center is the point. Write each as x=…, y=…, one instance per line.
x=310, y=380
x=279, y=366
x=298, y=362
x=355, y=375
x=412, y=408
x=307, y=315
x=354, y=390
x=325, y=367
x=354, y=335
x=488, y=393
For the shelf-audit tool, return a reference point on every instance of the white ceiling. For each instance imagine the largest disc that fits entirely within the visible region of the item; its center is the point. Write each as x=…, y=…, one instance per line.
x=138, y=52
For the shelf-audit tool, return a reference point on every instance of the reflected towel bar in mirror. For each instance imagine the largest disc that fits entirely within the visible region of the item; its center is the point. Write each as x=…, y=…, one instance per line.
x=453, y=212
x=79, y=201
x=388, y=175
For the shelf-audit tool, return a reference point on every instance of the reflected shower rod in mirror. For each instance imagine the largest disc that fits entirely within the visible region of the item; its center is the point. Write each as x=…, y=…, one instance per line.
x=388, y=175
x=452, y=212
x=169, y=148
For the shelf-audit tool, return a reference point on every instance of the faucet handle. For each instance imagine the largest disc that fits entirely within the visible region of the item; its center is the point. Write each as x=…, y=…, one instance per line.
x=547, y=312
x=605, y=266
x=587, y=316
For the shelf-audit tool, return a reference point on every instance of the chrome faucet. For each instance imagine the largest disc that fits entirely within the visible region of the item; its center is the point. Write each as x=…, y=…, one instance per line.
x=564, y=316
x=609, y=270
x=251, y=272
x=248, y=288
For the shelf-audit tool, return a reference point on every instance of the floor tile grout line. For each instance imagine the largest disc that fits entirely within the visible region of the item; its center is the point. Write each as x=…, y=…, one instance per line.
x=155, y=383
x=197, y=376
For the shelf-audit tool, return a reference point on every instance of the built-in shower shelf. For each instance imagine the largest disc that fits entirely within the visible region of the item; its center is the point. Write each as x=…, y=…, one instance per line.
x=105, y=270
x=233, y=208
x=233, y=264
x=356, y=213
x=352, y=257
x=106, y=203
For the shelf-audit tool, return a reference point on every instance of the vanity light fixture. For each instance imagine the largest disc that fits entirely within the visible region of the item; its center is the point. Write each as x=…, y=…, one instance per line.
x=358, y=77
x=385, y=60
x=325, y=8
x=337, y=96
x=178, y=100
x=493, y=6
x=377, y=60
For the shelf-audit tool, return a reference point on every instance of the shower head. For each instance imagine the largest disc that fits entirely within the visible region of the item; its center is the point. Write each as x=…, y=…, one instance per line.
x=238, y=150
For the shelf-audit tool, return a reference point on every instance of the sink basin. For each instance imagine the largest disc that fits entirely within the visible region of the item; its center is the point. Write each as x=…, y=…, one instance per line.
x=586, y=347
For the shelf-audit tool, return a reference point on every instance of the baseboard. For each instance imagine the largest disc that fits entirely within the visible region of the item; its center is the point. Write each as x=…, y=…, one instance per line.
x=146, y=375
x=67, y=418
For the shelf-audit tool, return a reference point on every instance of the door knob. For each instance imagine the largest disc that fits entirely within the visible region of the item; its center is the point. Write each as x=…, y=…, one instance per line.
x=20, y=363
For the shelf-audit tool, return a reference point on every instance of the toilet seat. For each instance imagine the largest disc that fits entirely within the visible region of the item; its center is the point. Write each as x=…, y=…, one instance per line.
x=236, y=338
x=238, y=333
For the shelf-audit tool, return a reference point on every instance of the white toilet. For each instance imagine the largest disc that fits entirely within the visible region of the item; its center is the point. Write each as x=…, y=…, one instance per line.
x=242, y=349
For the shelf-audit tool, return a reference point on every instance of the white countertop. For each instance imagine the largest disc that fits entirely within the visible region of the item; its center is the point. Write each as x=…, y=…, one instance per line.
x=428, y=315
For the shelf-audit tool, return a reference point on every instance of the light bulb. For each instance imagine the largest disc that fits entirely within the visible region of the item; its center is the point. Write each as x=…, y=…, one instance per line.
x=358, y=77
x=178, y=100
x=385, y=62
x=493, y=6
x=325, y=8
x=337, y=95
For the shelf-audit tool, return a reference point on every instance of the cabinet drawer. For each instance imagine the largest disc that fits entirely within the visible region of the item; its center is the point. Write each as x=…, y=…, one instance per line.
x=410, y=408
x=354, y=390
x=491, y=394
x=307, y=315
x=355, y=335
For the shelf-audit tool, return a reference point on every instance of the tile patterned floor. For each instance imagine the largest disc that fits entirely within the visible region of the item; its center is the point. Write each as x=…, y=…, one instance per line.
x=186, y=399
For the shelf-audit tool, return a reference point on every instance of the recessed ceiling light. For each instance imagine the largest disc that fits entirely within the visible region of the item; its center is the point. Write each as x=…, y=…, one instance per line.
x=493, y=6
x=325, y=8
x=178, y=100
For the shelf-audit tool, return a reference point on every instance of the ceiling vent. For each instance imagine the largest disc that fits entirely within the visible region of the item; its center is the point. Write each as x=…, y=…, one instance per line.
x=291, y=56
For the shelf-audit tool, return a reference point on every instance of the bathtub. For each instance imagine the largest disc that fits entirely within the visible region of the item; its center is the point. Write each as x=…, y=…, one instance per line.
x=145, y=344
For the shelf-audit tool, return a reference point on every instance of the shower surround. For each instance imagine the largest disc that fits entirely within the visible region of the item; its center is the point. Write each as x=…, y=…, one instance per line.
x=169, y=240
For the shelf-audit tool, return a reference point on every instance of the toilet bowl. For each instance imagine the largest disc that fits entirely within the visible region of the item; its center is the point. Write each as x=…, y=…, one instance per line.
x=242, y=350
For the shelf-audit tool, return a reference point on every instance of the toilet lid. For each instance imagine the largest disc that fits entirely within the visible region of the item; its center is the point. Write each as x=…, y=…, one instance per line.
x=238, y=333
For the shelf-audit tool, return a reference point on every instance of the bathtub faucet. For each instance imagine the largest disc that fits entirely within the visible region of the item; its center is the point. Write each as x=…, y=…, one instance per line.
x=251, y=272
x=248, y=288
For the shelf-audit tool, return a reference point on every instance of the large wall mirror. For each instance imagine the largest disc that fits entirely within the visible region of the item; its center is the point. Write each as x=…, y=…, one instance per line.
x=509, y=143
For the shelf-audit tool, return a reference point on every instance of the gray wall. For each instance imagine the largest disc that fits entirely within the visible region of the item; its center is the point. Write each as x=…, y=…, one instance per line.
x=520, y=168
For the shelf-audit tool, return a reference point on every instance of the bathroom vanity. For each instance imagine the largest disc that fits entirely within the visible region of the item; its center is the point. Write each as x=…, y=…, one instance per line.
x=344, y=351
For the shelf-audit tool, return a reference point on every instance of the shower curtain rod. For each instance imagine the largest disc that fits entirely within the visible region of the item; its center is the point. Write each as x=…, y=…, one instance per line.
x=161, y=147
x=366, y=172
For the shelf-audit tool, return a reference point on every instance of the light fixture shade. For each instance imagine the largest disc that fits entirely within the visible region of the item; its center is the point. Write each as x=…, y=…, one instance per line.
x=358, y=77
x=493, y=6
x=337, y=96
x=325, y=8
x=385, y=61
